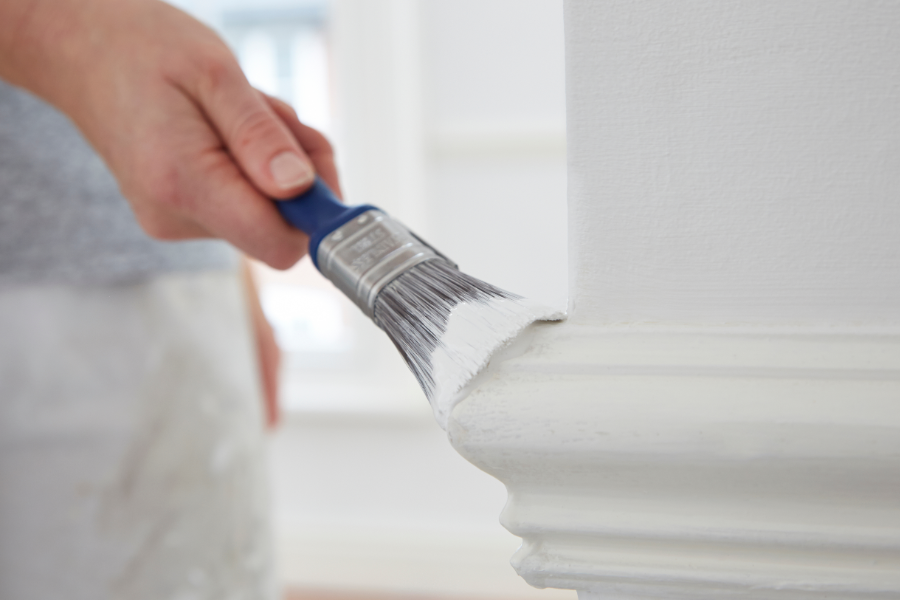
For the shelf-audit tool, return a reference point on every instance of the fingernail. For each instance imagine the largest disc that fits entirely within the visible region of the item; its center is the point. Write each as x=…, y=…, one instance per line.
x=290, y=171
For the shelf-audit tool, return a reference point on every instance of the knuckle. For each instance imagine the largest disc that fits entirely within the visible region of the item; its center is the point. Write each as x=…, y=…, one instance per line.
x=254, y=125
x=159, y=204
x=163, y=192
x=214, y=68
x=170, y=201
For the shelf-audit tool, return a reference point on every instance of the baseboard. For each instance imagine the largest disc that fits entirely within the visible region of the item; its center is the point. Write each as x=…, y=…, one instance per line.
x=665, y=464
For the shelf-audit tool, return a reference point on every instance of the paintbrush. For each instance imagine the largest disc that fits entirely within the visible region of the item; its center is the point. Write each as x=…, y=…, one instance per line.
x=446, y=324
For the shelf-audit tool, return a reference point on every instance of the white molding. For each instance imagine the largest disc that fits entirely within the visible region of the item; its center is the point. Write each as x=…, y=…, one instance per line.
x=665, y=464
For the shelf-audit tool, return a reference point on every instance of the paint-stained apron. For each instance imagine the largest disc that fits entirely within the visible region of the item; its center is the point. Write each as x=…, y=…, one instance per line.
x=131, y=450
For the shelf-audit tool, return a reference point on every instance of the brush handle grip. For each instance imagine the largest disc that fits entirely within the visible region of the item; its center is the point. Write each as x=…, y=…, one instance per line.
x=313, y=209
x=317, y=212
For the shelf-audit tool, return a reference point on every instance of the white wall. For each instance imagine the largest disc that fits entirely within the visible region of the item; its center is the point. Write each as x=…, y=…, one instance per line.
x=495, y=108
x=734, y=162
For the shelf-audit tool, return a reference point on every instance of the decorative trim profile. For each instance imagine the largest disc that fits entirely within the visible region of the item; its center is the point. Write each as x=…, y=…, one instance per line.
x=693, y=465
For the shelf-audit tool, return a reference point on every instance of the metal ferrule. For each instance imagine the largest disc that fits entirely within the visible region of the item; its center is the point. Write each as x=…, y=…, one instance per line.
x=364, y=255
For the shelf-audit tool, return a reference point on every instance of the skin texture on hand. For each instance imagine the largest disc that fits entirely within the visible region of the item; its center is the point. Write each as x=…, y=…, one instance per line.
x=197, y=151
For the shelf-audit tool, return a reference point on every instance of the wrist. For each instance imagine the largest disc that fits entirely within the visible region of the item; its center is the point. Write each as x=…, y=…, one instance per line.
x=55, y=48
x=37, y=38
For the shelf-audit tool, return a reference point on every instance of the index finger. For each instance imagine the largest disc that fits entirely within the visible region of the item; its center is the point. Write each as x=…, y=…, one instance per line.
x=316, y=145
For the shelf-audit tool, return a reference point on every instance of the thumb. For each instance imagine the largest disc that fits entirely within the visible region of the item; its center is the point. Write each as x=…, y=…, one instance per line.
x=257, y=139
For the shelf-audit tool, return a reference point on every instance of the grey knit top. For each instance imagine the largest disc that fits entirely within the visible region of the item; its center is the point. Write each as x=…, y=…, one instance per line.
x=62, y=218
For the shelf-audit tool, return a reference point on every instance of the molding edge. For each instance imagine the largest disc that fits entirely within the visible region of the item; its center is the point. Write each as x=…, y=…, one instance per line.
x=649, y=464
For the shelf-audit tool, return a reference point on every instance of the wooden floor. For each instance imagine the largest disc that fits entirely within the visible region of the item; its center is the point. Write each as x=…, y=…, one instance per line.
x=332, y=595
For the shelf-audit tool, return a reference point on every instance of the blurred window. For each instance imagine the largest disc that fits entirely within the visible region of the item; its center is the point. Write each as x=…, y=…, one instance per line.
x=284, y=53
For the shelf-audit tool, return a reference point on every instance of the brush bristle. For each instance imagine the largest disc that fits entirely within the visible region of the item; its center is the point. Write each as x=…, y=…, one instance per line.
x=414, y=310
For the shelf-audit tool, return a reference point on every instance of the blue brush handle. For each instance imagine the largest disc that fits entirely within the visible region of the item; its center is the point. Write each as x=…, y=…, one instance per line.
x=317, y=212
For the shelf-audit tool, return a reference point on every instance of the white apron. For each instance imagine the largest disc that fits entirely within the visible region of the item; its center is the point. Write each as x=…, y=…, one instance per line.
x=131, y=463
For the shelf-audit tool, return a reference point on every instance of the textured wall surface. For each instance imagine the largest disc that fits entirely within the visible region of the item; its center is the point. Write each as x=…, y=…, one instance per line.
x=734, y=162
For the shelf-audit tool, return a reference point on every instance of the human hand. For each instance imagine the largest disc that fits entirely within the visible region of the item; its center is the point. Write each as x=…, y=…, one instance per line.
x=196, y=150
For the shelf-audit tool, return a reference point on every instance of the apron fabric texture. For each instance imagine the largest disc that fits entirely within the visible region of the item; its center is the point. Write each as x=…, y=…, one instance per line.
x=131, y=435
x=131, y=450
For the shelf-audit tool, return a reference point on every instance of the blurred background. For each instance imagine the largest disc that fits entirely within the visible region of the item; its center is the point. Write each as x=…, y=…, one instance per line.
x=449, y=114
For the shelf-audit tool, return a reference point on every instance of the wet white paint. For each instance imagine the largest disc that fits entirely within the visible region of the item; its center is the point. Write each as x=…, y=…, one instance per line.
x=475, y=332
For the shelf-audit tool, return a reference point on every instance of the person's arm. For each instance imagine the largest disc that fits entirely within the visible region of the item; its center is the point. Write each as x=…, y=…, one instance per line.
x=267, y=350
x=196, y=150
